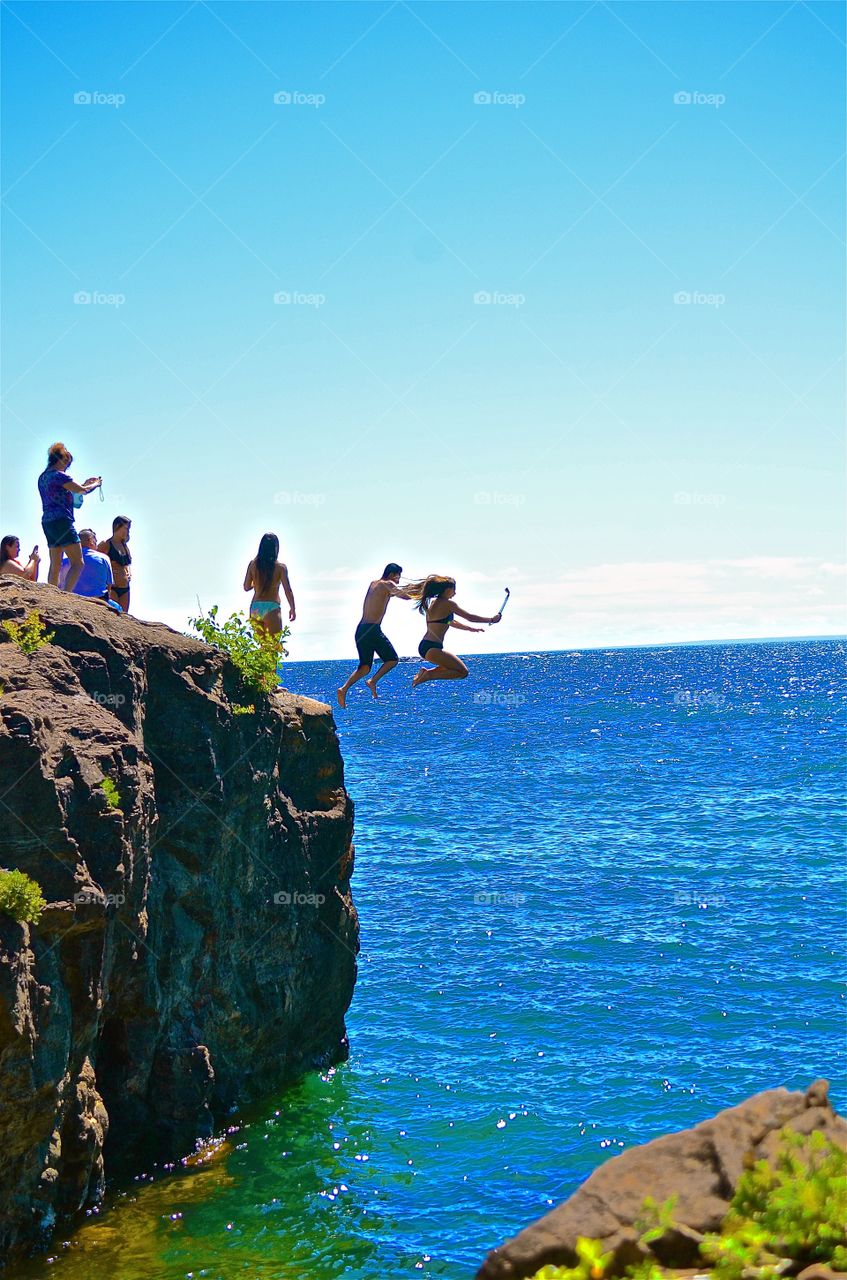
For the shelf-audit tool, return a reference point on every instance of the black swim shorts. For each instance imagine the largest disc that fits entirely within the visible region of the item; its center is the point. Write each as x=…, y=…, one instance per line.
x=371, y=639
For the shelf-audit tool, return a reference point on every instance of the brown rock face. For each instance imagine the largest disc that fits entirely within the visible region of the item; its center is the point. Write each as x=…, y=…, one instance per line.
x=199, y=945
x=701, y=1166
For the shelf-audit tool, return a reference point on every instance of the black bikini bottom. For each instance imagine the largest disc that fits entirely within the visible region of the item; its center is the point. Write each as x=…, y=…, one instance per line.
x=425, y=646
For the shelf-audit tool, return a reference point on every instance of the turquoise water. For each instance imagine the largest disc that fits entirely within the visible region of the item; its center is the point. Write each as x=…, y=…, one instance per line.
x=601, y=894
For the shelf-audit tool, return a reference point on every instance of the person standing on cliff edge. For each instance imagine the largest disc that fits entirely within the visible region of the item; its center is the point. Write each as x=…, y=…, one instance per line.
x=370, y=637
x=57, y=491
x=264, y=577
x=120, y=559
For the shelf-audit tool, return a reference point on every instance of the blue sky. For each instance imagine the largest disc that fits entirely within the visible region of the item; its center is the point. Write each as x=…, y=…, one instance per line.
x=539, y=294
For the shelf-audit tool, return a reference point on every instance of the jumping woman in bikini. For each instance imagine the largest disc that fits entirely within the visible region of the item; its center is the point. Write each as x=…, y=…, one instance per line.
x=264, y=577
x=435, y=599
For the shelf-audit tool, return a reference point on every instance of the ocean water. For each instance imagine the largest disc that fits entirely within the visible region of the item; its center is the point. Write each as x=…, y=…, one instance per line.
x=602, y=895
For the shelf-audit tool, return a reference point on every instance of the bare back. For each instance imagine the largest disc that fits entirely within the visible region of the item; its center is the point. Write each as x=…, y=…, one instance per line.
x=270, y=592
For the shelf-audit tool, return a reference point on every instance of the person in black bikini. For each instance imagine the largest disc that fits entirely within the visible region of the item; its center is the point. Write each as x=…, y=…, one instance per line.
x=370, y=637
x=118, y=552
x=434, y=596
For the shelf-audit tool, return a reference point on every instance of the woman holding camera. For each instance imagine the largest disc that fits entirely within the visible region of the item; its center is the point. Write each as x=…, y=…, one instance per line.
x=11, y=562
x=57, y=488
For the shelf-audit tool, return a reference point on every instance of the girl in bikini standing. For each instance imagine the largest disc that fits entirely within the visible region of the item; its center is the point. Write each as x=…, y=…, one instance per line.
x=435, y=600
x=264, y=577
x=118, y=552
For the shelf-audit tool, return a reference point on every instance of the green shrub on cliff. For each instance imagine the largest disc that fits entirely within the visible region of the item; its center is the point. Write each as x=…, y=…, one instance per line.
x=30, y=634
x=110, y=791
x=782, y=1217
x=794, y=1209
x=592, y=1264
x=251, y=649
x=20, y=897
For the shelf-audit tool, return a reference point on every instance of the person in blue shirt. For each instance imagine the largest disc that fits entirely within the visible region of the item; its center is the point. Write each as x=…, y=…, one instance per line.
x=95, y=578
x=57, y=488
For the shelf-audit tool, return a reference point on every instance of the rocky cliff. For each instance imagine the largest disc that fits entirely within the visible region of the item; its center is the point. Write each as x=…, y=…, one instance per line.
x=700, y=1167
x=198, y=948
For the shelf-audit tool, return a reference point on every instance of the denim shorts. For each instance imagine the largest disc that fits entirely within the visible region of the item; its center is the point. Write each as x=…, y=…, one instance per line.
x=60, y=532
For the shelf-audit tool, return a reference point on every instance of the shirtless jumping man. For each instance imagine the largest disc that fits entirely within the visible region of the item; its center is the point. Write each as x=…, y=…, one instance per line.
x=370, y=638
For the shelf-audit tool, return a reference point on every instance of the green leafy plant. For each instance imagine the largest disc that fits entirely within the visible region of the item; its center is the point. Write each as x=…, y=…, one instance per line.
x=110, y=791
x=21, y=897
x=655, y=1219
x=30, y=634
x=252, y=650
x=646, y=1270
x=238, y=710
x=794, y=1209
x=592, y=1263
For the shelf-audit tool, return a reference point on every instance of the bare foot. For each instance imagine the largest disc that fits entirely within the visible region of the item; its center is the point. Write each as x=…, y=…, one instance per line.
x=419, y=679
x=372, y=686
x=341, y=695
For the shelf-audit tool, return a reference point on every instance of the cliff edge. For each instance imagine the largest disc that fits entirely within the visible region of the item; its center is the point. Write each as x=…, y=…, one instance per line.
x=192, y=839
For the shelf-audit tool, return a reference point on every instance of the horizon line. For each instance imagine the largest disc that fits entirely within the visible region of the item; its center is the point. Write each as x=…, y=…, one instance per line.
x=603, y=648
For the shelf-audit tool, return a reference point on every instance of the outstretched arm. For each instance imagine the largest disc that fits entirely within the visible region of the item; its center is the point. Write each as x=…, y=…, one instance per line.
x=474, y=617
x=401, y=593
x=289, y=594
x=460, y=626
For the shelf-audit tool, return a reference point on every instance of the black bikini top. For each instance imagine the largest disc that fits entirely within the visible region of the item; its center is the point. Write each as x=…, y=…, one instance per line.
x=441, y=622
x=120, y=557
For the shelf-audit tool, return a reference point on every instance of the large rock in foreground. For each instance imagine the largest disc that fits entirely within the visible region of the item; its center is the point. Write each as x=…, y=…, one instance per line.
x=198, y=949
x=700, y=1166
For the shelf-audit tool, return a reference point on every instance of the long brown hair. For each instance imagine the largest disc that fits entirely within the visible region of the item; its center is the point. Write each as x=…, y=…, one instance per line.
x=429, y=589
x=266, y=560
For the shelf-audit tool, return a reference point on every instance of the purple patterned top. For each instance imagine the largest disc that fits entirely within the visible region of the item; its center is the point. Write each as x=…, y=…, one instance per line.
x=58, y=502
